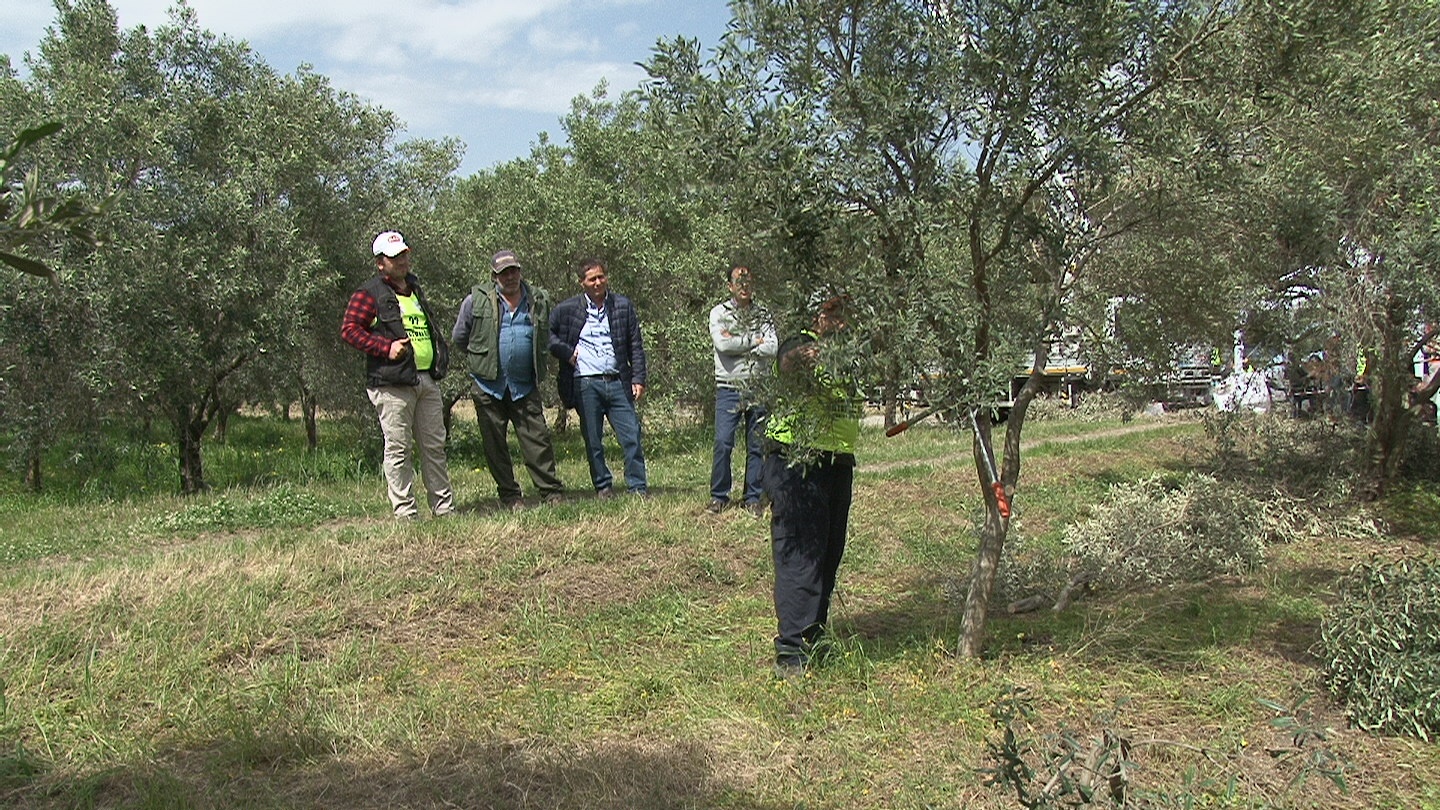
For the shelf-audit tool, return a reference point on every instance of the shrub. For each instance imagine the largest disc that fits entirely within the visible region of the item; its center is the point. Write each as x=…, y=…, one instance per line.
x=1421, y=462
x=1160, y=531
x=1065, y=768
x=1097, y=406
x=1153, y=533
x=1306, y=457
x=1380, y=647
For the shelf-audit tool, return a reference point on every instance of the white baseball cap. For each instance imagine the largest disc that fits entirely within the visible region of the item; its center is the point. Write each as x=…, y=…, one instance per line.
x=390, y=243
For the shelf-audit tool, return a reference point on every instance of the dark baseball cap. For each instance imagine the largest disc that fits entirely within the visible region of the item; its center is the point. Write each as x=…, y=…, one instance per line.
x=502, y=260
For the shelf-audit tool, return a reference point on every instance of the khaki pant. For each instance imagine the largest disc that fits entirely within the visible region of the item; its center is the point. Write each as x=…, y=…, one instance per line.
x=418, y=412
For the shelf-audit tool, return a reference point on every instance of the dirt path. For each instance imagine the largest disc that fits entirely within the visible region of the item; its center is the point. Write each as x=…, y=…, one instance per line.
x=1124, y=430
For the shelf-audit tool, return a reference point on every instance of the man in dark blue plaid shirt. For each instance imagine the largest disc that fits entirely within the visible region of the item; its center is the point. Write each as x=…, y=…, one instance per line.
x=596, y=336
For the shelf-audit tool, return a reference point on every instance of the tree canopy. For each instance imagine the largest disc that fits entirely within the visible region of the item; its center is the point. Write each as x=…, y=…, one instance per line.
x=235, y=197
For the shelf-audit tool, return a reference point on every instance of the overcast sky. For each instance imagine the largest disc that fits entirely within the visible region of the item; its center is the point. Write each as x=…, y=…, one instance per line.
x=494, y=73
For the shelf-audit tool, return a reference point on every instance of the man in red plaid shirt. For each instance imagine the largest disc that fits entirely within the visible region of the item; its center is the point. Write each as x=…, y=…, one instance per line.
x=390, y=321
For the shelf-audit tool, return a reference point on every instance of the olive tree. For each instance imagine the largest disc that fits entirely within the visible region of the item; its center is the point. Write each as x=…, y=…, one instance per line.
x=219, y=241
x=956, y=166
x=30, y=211
x=41, y=320
x=1361, y=141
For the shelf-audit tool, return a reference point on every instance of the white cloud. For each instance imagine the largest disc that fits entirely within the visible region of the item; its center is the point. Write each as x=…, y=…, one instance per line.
x=555, y=40
x=475, y=31
x=422, y=103
x=475, y=34
x=478, y=69
x=428, y=101
x=551, y=89
x=21, y=27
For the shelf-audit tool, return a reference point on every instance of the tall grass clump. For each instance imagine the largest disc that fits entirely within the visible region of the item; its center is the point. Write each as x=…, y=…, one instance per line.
x=1380, y=647
x=281, y=507
x=128, y=460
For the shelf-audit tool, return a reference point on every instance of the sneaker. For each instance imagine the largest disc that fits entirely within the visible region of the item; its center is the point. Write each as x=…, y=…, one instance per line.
x=755, y=508
x=605, y=494
x=517, y=505
x=552, y=498
x=716, y=506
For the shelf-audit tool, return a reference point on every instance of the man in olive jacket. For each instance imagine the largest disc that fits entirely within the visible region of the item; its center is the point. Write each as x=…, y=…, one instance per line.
x=390, y=321
x=502, y=330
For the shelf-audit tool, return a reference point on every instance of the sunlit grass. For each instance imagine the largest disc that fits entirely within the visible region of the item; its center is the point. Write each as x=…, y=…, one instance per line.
x=286, y=644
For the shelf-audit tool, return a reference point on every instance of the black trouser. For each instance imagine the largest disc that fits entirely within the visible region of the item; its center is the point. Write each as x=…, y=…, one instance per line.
x=809, y=510
x=536, y=449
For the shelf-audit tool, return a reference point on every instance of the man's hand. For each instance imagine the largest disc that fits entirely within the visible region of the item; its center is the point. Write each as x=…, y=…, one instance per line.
x=800, y=357
x=399, y=348
x=636, y=391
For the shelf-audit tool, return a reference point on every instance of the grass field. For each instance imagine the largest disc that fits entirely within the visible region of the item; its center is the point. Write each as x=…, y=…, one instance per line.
x=282, y=643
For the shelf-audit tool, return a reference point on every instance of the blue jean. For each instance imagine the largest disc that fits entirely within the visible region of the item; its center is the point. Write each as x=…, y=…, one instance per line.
x=602, y=398
x=731, y=412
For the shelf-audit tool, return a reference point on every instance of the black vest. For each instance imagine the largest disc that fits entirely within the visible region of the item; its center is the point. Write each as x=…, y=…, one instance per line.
x=382, y=371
